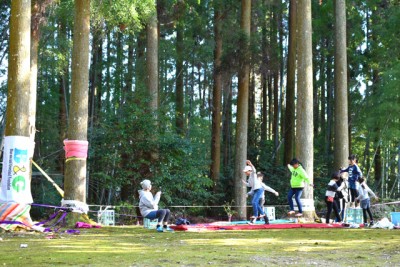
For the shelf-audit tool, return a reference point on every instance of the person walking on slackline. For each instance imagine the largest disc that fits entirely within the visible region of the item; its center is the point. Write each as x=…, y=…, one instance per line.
x=258, y=191
x=298, y=177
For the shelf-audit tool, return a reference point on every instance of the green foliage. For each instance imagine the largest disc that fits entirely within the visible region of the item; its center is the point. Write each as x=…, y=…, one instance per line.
x=126, y=14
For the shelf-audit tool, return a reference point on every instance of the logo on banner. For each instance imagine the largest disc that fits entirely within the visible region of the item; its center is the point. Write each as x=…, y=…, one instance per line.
x=20, y=156
x=16, y=183
x=19, y=183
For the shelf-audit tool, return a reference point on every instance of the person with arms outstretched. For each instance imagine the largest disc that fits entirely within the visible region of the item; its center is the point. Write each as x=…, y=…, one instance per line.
x=256, y=187
x=297, y=179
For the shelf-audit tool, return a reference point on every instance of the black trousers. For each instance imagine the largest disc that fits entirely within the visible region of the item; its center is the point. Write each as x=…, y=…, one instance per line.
x=330, y=206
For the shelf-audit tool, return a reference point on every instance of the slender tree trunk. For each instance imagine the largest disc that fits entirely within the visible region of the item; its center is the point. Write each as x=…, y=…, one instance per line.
x=152, y=79
x=108, y=70
x=341, y=114
x=227, y=125
x=180, y=122
x=118, y=96
x=75, y=171
x=304, y=133
x=251, y=133
x=276, y=67
x=264, y=110
x=323, y=90
x=291, y=84
x=95, y=74
x=242, y=112
x=140, y=69
x=152, y=62
x=270, y=106
x=329, y=107
x=63, y=92
x=216, y=101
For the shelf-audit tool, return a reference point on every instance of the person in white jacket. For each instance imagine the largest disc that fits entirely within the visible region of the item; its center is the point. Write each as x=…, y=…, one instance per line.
x=255, y=184
x=363, y=196
x=260, y=177
x=148, y=206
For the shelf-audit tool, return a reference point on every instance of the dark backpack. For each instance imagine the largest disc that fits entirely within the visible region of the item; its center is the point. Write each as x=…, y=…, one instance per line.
x=181, y=221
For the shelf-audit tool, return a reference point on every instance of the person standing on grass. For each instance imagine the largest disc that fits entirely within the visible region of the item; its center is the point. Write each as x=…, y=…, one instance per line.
x=363, y=196
x=331, y=191
x=354, y=173
x=298, y=177
x=342, y=195
x=148, y=206
x=256, y=187
x=260, y=177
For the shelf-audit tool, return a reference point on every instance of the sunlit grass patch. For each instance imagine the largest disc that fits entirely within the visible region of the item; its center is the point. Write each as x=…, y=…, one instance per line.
x=136, y=246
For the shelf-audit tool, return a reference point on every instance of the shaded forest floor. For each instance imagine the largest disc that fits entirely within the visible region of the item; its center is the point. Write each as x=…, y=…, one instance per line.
x=136, y=246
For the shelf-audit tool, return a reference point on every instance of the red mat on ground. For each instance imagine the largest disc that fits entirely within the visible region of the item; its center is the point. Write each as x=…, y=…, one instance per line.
x=212, y=227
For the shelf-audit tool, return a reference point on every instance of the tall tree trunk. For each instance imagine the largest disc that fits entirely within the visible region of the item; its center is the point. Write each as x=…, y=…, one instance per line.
x=305, y=127
x=276, y=67
x=95, y=74
x=180, y=122
x=227, y=125
x=63, y=92
x=329, y=109
x=17, y=114
x=270, y=106
x=75, y=170
x=242, y=112
x=291, y=84
x=15, y=185
x=37, y=13
x=341, y=114
x=152, y=72
x=251, y=133
x=323, y=90
x=140, y=73
x=216, y=101
x=108, y=66
x=264, y=109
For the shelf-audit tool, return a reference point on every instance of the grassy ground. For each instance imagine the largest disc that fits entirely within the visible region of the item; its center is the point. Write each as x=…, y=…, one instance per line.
x=135, y=246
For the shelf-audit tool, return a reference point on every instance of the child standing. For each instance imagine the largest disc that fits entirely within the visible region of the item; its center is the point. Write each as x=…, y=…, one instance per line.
x=299, y=176
x=354, y=173
x=363, y=196
x=148, y=206
x=257, y=188
x=331, y=191
x=260, y=177
x=341, y=196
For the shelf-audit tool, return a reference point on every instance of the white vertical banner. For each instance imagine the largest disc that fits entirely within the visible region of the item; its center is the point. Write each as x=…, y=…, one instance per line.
x=15, y=182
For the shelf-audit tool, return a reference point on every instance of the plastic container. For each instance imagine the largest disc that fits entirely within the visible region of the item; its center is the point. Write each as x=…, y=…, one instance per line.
x=395, y=218
x=353, y=216
x=150, y=224
x=270, y=212
x=106, y=217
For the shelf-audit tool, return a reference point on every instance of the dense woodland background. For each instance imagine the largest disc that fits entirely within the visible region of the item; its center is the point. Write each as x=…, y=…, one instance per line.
x=172, y=144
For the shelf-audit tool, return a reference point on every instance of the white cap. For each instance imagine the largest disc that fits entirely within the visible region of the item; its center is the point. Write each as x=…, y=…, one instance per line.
x=248, y=169
x=146, y=184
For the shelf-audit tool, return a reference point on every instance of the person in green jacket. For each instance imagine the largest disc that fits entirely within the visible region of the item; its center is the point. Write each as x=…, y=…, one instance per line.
x=299, y=176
